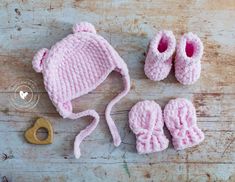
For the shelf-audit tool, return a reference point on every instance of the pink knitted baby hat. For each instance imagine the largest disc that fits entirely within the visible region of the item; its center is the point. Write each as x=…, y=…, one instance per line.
x=75, y=66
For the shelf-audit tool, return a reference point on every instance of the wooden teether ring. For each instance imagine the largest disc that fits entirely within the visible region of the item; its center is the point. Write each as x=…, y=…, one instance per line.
x=31, y=133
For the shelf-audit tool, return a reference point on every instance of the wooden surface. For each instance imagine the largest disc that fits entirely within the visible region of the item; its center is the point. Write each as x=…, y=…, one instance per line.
x=27, y=25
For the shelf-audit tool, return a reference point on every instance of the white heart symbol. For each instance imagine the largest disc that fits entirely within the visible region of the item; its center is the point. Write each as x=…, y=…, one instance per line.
x=23, y=95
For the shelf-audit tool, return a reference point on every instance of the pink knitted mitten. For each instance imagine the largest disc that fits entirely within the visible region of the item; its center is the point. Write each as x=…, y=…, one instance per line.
x=180, y=119
x=145, y=120
x=188, y=59
x=158, y=62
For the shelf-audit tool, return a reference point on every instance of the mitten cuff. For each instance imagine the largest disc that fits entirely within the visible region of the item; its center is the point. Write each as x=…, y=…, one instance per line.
x=185, y=138
x=155, y=143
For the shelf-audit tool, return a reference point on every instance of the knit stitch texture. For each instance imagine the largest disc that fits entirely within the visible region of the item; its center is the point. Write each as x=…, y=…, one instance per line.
x=188, y=59
x=146, y=122
x=158, y=62
x=75, y=66
x=180, y=118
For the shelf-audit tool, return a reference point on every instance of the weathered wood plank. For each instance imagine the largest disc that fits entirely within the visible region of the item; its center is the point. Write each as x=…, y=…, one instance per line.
x=209, y=107
x=217, y=148
x=124, y=171
x=26, y=26
x=89, y=172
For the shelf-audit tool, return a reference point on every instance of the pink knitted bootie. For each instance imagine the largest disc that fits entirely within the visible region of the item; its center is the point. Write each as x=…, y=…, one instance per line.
x=146, y=121
x=180, y=118
x=158, y=62
x=188, y=59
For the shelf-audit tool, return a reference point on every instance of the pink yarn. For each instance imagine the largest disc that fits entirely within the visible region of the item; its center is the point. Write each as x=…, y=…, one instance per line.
x=158, y=62
x=146, y=121
x=180, y=119
x=188, y=59
x=75, y=66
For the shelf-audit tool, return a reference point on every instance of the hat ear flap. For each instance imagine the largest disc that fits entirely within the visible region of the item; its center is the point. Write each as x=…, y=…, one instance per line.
x=39, y=58
x=84, y=27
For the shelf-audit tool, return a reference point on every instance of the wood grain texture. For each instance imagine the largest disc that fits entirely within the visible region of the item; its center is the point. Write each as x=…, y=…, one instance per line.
x=26, y=26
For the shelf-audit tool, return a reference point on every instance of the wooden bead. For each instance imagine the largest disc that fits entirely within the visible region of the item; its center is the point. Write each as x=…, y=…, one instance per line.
x=31, y=133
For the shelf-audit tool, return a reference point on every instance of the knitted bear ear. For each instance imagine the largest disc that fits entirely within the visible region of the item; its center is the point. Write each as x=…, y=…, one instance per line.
x=39, y=58
x=84, y=27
